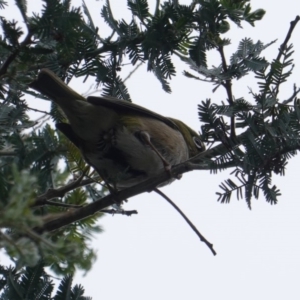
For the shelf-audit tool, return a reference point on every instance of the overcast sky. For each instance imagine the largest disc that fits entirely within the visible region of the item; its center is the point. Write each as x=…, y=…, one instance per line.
x=155, y=255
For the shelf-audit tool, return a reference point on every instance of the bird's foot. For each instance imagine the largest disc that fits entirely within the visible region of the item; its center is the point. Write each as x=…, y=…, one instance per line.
x=146, y=139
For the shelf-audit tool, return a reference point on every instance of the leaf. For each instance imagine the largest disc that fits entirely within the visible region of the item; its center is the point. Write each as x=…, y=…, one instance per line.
x=139, y=8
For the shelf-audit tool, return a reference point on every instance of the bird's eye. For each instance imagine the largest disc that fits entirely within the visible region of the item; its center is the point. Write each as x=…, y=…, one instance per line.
x=199, y=144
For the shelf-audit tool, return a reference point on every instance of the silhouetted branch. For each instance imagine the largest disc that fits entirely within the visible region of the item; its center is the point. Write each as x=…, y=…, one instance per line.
x=201, y=237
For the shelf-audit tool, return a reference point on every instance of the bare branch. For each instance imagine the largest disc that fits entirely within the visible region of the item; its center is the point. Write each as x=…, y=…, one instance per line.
x=119, y=212
x=60, y=204
x=201, y=237
x=199, y=162
x=288, y=36
x=133, y=71
x=60, y=192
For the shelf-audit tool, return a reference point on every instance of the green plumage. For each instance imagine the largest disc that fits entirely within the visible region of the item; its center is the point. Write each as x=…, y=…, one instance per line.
x=110, y=133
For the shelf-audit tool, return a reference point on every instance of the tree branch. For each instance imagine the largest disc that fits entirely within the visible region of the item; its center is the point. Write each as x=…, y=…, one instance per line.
x=228, y=88
x=92, y=208
x=14, y=54
x=281, y=49
x=288, y=36
x=8, y=153
x=119, y=212
x=199, y=162
x=201, y=237
x=60, y=192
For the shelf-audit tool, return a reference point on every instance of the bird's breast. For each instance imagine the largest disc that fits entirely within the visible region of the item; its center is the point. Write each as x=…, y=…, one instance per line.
x=120, y=156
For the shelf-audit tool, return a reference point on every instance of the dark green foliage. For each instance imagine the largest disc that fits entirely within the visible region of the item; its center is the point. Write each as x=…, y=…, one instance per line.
x=60, y=39
x=258, y=135
x=171, y=29
x=65, y=290
x=11, y=32
x=116, y=88
x=271, y=128
x=280, y=70
x=197, y=52
x=3, y=3
x=139, y=8
x=35, y=283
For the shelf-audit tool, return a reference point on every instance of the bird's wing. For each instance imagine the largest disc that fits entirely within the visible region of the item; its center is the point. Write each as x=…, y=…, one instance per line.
x=67, y=130
x=52, y=86
x=128, y=107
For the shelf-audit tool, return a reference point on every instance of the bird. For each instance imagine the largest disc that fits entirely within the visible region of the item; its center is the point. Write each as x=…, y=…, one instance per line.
x=124, y=142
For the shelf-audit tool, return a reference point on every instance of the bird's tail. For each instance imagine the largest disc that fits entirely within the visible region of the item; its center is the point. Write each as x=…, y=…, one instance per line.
x=53, y=87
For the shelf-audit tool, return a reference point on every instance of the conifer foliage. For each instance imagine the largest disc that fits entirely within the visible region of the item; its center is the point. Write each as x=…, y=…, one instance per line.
x=255, y=137
x=34, y=283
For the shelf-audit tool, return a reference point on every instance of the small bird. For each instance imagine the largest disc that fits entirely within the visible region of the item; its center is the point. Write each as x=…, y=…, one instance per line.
x=125, y=143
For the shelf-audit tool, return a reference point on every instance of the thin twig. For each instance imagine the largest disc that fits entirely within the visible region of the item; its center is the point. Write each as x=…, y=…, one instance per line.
x=120, y=212
x=288, y=36
x=14, y=54
x=38, y=110
x=156, y=8
x=281, y=49
x=201, y=237
x=8, y=153
x=133, y=71
x=290, y=99
x=40, y=122
x=228, y=81
x=60, y=204
x=199, y=162
x=37, y=237
x=60, y=192
x=228, y=88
